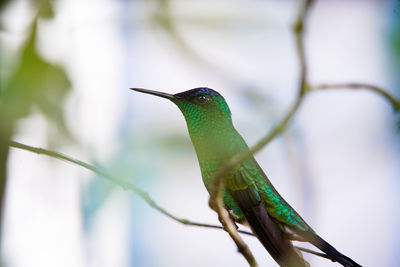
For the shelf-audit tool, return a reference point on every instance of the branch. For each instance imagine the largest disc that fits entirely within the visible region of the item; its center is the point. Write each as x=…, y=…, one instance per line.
x=319, y=254
x=144, y=195
x=393, y=101
x=298, y=30
x=217, y=181
x=280, y=127
x=125, y=185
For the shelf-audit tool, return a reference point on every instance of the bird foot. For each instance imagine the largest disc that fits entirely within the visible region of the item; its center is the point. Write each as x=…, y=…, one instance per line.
x=230, y=215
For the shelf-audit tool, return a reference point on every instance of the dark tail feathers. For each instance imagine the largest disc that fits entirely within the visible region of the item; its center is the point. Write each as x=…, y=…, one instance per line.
x=272, y=237
x=329, y=250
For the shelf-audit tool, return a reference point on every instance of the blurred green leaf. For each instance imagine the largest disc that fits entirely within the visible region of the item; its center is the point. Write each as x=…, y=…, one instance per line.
x=34, y=82
x=394, y=52
x=45, y=8
x=3, y=4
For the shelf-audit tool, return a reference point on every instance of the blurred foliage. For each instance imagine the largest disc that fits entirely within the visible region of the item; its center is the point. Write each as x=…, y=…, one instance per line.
x=394, y=36
x=30, y=82
x=394, y=52
x=45, y=7
x=34, y=83
x=3, y=3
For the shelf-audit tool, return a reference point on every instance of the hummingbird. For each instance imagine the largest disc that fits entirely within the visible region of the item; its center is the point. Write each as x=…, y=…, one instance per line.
x=248, y=195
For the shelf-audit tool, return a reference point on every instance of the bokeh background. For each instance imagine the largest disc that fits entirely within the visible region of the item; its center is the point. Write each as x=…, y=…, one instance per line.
x=65, y=70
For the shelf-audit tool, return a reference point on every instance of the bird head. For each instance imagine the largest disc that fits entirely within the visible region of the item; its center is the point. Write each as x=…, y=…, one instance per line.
x=204, y=109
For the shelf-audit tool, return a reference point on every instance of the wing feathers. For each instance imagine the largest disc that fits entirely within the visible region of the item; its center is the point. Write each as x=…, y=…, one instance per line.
x=243, y=187
x=266, y=229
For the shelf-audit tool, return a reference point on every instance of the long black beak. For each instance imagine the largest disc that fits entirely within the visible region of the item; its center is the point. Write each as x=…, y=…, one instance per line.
x=151, y=92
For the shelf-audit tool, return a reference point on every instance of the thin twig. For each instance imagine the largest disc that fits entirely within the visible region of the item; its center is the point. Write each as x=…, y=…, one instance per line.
x=126, y=185
x=393, y=101
x=217, y=180
x=238, y=159
x=298, y=30
x=144, y=195
x=323, y=255
x=230, y=227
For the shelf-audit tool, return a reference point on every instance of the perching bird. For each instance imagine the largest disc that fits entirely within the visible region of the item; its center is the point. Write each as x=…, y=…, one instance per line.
x=249, y=196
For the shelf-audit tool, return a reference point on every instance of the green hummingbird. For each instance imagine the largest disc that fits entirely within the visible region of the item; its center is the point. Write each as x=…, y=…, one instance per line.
x=249, y=196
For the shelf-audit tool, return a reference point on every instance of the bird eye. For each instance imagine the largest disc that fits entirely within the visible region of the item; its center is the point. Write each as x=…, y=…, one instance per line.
x=201, y=99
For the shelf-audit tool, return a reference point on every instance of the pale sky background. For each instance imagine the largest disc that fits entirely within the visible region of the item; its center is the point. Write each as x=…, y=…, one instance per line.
x=338, y=165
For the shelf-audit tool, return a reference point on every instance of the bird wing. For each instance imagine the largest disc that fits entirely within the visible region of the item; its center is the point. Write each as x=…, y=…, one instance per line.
x=275, y=204
x=280, y=211
x=245, y=192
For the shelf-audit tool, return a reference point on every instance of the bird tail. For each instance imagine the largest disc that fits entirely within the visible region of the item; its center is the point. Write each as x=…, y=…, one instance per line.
x=328, y=249
x=272, y=237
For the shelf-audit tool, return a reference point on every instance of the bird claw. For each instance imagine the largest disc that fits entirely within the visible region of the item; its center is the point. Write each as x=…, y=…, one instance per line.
x=231, y=215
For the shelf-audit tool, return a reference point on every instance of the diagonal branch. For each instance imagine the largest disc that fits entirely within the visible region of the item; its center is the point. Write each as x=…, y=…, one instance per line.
x=126, y=185
x=218, y=178
x=144, y=195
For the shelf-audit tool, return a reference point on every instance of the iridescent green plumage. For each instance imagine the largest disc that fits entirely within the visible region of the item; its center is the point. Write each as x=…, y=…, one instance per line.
x=216, y=141
x=249, y=195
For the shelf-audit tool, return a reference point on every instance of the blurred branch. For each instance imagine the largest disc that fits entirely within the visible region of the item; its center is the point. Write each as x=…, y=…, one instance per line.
x=393, y=101
x=124, y=184
x=298, y=30
x=128, y=186
x=165, y=19
x=216, y=191
x=216, y=203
